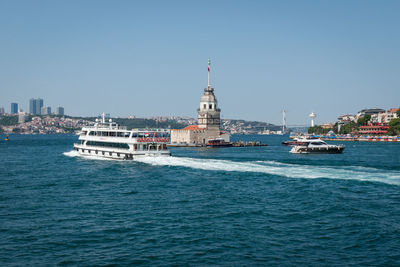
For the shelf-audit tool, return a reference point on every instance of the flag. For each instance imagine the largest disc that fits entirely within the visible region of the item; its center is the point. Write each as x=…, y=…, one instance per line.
x=209, y=62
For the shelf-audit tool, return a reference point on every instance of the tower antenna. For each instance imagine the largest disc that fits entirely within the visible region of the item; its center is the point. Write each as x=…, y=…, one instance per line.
x=209, y=63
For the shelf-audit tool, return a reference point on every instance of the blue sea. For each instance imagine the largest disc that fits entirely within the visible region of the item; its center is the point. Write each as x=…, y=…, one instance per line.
x=223, y=206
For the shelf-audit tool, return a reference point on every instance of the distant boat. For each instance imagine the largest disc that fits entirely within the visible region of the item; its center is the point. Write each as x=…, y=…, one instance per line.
x=6, y=139
x=218, y=142
x=316, y=146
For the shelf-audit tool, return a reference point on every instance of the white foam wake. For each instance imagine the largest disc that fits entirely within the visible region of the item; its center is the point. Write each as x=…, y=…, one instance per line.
x=74, y=153
x=280, y=169
x=269, y=167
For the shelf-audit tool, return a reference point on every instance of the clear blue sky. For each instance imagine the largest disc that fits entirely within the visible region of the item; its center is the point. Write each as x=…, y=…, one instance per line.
x=149, y=58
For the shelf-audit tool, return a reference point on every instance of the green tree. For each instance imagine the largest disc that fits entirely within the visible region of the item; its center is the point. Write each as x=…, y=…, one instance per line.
x=9, y=120
x=348, y=128
x=394, y=127
x=363, y=120
x=317, y=129
x=398, y=113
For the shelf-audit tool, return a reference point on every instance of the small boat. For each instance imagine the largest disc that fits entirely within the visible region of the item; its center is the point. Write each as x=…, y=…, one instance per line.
x=316, y=146
x=6, y=139
x=218, y=142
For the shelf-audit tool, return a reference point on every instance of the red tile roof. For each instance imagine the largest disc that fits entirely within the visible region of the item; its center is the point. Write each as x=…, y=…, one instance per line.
x=191, y=128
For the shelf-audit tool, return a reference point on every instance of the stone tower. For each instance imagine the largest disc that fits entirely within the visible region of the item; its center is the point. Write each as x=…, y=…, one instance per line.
x=208, y=112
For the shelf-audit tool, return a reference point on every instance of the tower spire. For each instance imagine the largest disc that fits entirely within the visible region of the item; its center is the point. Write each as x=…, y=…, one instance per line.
x=283, y=121
x=209, y=63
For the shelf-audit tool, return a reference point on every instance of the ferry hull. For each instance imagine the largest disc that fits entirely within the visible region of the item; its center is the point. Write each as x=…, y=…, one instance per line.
x=305, y=150
x=118, y=155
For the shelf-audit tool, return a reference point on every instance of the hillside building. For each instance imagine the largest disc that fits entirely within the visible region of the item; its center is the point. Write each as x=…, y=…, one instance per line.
x=45, y=111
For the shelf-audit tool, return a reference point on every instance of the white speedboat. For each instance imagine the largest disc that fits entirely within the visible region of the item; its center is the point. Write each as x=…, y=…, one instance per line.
x=316, y=146
x=110, y=140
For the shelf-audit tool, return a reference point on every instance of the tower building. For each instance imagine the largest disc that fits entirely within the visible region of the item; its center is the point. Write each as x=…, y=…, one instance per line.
x=60, y=111
x=312, y=116
x=209, y=121
x=35, y=106
x=208, y=113
x=14, y=108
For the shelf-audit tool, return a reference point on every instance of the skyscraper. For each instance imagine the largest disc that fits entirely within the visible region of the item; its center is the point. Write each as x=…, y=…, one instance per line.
x=38, y=106
x=35, y=106
x=60, y=111
x=14, y=108
x=32, y=106
x=45, y=111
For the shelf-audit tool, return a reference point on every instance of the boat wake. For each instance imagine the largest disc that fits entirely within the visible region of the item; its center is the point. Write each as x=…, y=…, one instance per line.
x=269, y=167
x=280, y=169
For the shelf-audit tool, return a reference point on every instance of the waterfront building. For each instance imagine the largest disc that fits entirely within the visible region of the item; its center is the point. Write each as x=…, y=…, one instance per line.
x=384, y=117
x=45, y=111
x=373, y=129
x=208, y=125
x=60, y=111
x=35, y=106
x=393, y=110
x=2, y=110
x=369, y=111
x=327, y=125
x=14, y=108
x=347, y=118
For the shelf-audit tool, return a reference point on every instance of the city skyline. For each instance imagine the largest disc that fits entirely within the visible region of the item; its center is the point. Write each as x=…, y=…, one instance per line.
x=34, y=107
x=130, y=58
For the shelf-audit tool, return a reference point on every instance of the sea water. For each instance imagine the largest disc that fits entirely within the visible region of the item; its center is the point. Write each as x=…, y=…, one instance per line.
x=202, y=206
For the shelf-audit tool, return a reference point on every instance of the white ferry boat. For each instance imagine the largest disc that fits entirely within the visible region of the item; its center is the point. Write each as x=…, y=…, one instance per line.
x=110, y=140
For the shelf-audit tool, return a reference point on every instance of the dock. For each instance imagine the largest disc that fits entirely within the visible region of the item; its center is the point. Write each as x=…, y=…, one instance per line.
x=234, y=144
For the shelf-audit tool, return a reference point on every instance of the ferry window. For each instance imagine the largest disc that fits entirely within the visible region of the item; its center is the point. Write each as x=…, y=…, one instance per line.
x=317, y=143
x=134, y=135
x=205, y=106
x=210, y=106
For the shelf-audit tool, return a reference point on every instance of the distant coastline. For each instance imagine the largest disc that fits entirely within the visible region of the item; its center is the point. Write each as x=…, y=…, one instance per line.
x=55, y=124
